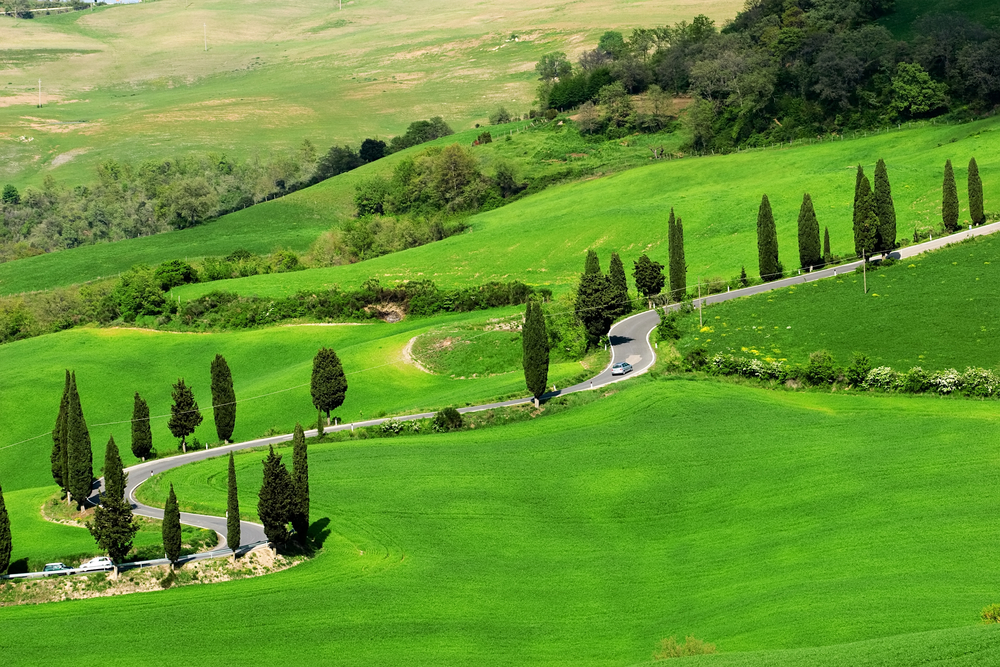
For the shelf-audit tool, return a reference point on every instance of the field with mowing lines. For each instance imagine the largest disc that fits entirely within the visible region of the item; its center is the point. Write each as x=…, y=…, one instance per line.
x=112, y=364
x=936, y=311
x=136, y=82
x=544, y=239
x=756, y=520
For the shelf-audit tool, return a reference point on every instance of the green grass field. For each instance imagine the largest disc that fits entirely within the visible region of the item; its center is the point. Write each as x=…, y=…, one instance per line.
x=112, y=364
x=135, y=81
x=544, y=239
x=756, y=520
x=936, y=311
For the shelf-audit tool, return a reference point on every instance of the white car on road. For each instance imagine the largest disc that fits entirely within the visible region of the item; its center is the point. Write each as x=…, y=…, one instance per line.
x=99, y=564
x=621, y=369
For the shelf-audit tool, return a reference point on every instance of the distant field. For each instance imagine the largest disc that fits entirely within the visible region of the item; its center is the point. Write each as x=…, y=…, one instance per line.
x=112, y=364
x=936, y=311
x=543, y=239
x=573, y=540
x=135, y=81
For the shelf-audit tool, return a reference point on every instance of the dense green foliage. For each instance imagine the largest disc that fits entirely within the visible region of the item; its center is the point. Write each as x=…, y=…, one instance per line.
x=885, y=209
x=185, y=416
x=648, y=275
x=596, y=303
x=677, y=264
x=232, y=508
x=866, y=222
x=6, y=541
x=114, y=526
x=328, y=385
x=976, y=211
x=113, y=471
x=171, y=527
x=142, y=432
x=827, y=253
x=767, y=243
x=535, y=346
x=79, y=455
x=276, y=499
x=300, y=484
x=58, y=460
x=949, y=200
x=223, y=399
x=809, y=249
x=616, y=274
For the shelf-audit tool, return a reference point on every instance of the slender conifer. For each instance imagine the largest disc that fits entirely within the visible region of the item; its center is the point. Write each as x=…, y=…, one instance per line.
x=858, y=196
x=616, y=273
x=827, y=255
x=682, y=285
x=767, y=243
x=328, y=384
x=809, y=248
x=274, y=504
x=171, y=528
x=142, y=433
x=223, y=399
x=861, y=215
x=535, y=350
x=114, y=526
x=233, y=509
x=185, y=416
x=949, y=199
x=6, y=544
x=976, y=210
x=885, y=208
x=58, y=458
x=300, y=484
x=80, y=456
x=676, y=267
x=592, y=265
x=114, y=473
x=868, y=224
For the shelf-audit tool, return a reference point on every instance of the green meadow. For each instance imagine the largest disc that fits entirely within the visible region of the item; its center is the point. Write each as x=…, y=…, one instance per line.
x=753, y=519
x=937, y=311
x=271, y=372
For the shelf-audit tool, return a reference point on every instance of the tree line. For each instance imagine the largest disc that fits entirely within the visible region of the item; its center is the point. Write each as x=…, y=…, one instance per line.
x=789, y=69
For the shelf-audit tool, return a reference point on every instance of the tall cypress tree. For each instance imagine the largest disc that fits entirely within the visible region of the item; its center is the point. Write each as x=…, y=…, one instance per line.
x=114, y=526
x=861, y=213
x=592, y=265
x=233, y=509
x=616, y=274
x=885, y=209
x=868, y=224
x=682, y=285
x=767, y=243
x=976, y=210
x=223, y=399
x=58, y=458
x=142, y=433
x=329, y=383
x=827, y=255
x=6, y=545
x=809, y=248
x=676, y=267
x=535, y=350
x=858, y=196
x=274, y=504
x=185, y=416
x=79, y=454
x=171, y=529
x=949, y=199
x=300, y=484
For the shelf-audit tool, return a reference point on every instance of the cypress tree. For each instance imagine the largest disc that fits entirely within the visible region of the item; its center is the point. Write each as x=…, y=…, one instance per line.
x=885, y=209
x=6, y=545
x=592, y=265
x=184, y=413
x=232, y=509
x=682, y=284
x=142, y=433
x=767, y=243
x=808, y=235
x=868, y=224
x=223, y=399
x=329, y=384
x=172, y=528
x=300, y=483
x=535, y=350
x=861, y=213
x=616, y=273
x=676, y=265
x=827, y=255
x=976, y=210
x=79, y=454
x=648, y=276
x=858, y=195
x=58, y=458
x=274, y=504
x=949, y=200
x=115, y=478
x=595, y=305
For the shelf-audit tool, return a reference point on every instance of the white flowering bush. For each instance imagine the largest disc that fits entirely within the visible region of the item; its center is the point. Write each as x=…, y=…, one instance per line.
x=979, y=382
x=753, y=368
x=944, y=382
x=882, y=378
x=391, y=427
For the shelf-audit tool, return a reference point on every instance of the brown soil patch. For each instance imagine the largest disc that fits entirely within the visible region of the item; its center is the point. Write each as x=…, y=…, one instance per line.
x=387, y=312
x=407, y=355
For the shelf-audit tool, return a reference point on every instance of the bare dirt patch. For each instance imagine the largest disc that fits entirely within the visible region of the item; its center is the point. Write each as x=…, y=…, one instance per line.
x=63, y=158
x=407, y=355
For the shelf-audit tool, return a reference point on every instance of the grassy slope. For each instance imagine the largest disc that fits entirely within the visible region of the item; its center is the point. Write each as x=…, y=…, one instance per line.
x=757, y=520
x=112, y=364
x=275, y=73
x=936, y=311
x=543, y=239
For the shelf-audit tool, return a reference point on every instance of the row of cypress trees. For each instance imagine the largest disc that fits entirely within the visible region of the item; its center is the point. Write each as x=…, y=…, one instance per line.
x=72, y=459
x=949, y=197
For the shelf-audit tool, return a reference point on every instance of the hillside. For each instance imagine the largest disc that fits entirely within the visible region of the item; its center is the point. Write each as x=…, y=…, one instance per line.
x=136, y=81
x=570, y=540
x=909, y=11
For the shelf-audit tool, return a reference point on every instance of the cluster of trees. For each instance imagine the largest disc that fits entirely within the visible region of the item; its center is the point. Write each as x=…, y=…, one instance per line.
x=785, y=69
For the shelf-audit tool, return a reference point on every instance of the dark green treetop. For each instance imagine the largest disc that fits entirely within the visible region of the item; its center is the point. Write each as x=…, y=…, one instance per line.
x=809, y=249
x=885, y=209
x=185, y=416
x=171, y=528
x=535, y=349
x=300, y=483
x=976, y=210
x=767, y=243
x=232, y=508
x=329, y=384
x=949, y=199
x=223, y=399
x=142, y=433
x=275, y=499
x=649, y=279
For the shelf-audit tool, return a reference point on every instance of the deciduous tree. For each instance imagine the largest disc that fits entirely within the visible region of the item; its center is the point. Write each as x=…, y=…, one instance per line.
x=223, y=399
x=329, y=383
x=232, y=509
x=949, y=199
x=809, y=248
x=767, y=243
x=300, y=483
x=976, y=211
x=142, y=433
x=184, y=413
x=649, y=279
x=274, y=505
x=535, y=349
x=171, y=529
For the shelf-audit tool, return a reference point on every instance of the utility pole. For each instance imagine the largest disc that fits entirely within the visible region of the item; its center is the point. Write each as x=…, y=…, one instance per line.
x=205, y=28
x=701, y=306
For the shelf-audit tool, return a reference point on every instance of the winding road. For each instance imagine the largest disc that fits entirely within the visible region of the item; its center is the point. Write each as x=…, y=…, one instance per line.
x=629, y=343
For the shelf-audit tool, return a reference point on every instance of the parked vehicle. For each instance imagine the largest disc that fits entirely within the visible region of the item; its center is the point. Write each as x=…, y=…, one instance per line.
x=54, y=567
x=99, y=564
x=621, y=368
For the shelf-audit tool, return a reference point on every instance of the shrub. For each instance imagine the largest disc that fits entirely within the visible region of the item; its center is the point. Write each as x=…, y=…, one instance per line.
x=979, y=382
x=857, y=372
x=883, y=378
x=448, y=419
x=696, y=359
x=821, y=369
x=944, y=382
x=667, y=328
x=175, y=273
x=391, y=427
x=500, y=116
x=670, y=648
x=991, y=614
x=916, y=381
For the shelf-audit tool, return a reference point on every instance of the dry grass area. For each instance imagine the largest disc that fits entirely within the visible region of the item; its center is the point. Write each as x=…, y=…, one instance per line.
x=273, y=74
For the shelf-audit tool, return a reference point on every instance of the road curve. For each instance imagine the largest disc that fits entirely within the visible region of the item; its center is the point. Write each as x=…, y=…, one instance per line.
x=629, y=343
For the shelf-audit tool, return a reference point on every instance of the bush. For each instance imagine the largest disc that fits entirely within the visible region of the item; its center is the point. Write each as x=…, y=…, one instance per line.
x=696, y=359
x=882, y=378
x=857, y=372
x=391, y=427
x=916, y=381
x=448, y=419
x=944, y=382
x=500, y=116
x=979, y=382
x=667, y=328
x=821, y=369
x=175, y=273
x=991, y=614
x=669, y=648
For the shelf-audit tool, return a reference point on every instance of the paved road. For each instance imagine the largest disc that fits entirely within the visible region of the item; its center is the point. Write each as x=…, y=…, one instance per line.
x=630, y=343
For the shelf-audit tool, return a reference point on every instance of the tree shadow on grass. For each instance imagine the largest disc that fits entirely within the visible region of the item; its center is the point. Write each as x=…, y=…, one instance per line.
x=319, y=531
x=19, y=566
